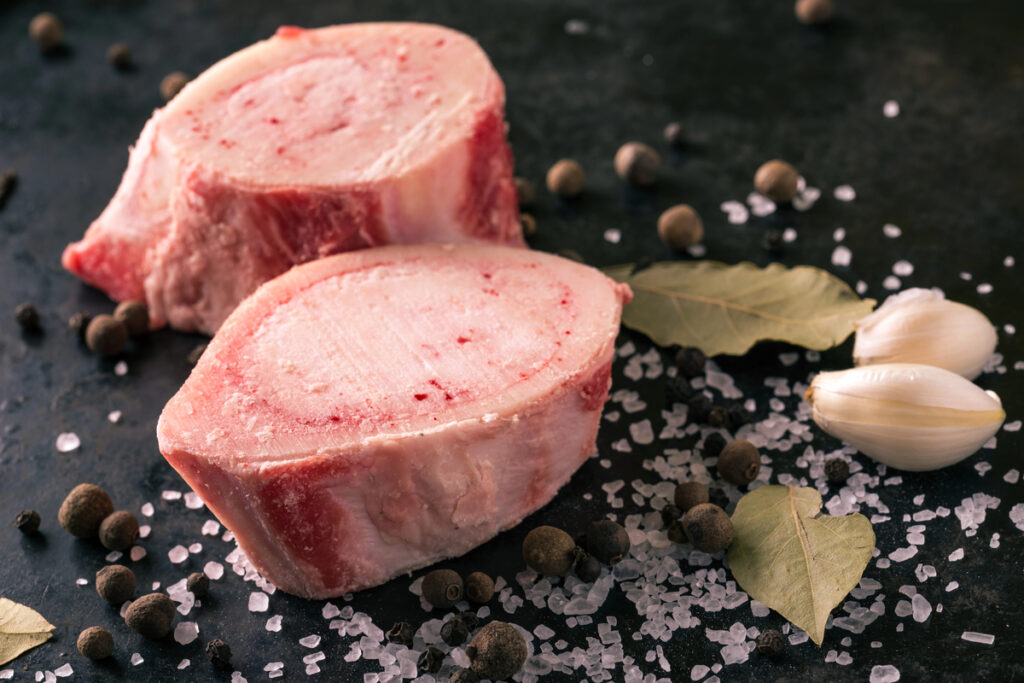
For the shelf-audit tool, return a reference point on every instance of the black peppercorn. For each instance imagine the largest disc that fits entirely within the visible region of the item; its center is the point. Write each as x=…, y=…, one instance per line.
x=698, y=406
x=151, y=615
x=689, y=494
x=77, y=323
x=708, y=528
x=713, y=444
x=401, y=633
x=219, y=653
x=27, y=317
x=529, y=224
x=566, y=178
x=837, y=471
x=172, y=84
x=690, y=360
x=120, y=56
x=587, y=568
x=739, y=462
x=46, y=30
x=675, y=134
x=777, y=180
x=195, y=354
x=430, y=660
x=198, y=583
x=637, y=163
x=115, y=583
x=678, y=389
x=676, y=533
x=607, y=541
x=548, y=550
x=464, y=676
x=95, y=642
x=680, y=227
x=119, y=530
x=497, y=652
x=718, y=417
x=134, y=315
x=470, y=619
x=771, y=643
x=27, y=522
x=525, y=191
x=669, y=514
x=454, y=632
x=106, y=335
x=8, y=179
x=772, y=241
x=479, y=588
x=84, y=510
x=442, y=588
x=738, y=416
x=719, y=497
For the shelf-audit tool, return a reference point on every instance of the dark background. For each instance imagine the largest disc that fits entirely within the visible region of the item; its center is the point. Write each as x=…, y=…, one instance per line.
x=747, y=80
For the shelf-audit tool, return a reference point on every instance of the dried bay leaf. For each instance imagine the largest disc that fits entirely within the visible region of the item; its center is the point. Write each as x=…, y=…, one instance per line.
x=799, y=564
x=21, y=629
x=727, y=309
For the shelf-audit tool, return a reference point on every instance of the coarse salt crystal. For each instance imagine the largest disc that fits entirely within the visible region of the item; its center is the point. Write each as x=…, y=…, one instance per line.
x=1017, y=515
x=67, y=442
x=211, y=527
x=121, y=368
x=862, y=287
x=1013, y=426
x=214, y=570
x=171, y=495
x=975, y=637
x=984, y=288
x=184, y=664
x=177, y=554
x=114, y=556
x=891, y=231
x=6, y=674
x=612, y=235
x=891, y=109
x=195, y=548
x=789, y=235
x=884, y=673
x=903, y=268
x=82, y=582
x=137, y=659
x=1012, y=476
x=274, y=623
x=841, y=256
x=845, y=193
x=310, y=641
x=137, y=553
x=1009, y=329
x=258, y=601
x=63, y=671
x=193, y=501
x=147, y=509
x=114, y=416
x=891, y=283
x=1008, y=262
x=642, y=432
x=839, y=234
x=185, y=632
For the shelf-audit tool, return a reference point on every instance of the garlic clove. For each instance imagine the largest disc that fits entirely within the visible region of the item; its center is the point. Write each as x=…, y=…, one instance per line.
x=922, y=326
x=912, y=417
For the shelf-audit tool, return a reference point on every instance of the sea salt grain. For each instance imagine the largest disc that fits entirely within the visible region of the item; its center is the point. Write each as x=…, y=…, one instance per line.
x=884, y=673
x=642, y=432
x=310, y=641
x=137, y=553
x=121, y=368
x=147, y=509
x=891, y=231
x=922, y=608
x=975, y=637
x=903, y=268
x=789, y=235
x=1008, y=262
x=114, y=416
x=171, y=495
x=1017, y=515
x=185, y=632
x=211, y=527
x=839, y=234
x=137, y=659
x=193, y=501
x=984, y=288
x=612, y=235
x=178, y=554
x=258, y=602
x=845, y=193
x=63, y=671
x=891, y=109
x=114, y=556
x=67, y=442
x=891, y=283
x=214, y=570
x=6, y=674
x=1012, y=476
x=184, y=664
x=1013, y=426
x=841, y=256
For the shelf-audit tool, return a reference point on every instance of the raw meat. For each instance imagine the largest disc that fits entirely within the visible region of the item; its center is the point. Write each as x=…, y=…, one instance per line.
x=304, y=145
x=377, y=411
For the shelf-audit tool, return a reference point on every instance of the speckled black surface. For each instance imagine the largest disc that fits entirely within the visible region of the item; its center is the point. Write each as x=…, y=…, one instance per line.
x=747, y=80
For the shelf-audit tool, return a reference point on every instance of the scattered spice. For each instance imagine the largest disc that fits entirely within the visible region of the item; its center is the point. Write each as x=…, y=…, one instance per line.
x=497, y=652
x=587, y=568
x=454, y=632
x=115, y=583
x=698, y=408
x=430, y=660
x=675, y=134
x=607, y=541
x=134, y=315
x=680, y=227
x=27, y=317
x=771, y=643
x=566, y=178
x=401, y=633
x=195, y=354
x=8, y=179
x=525, y=191
x=713, y=445
x=96, y=642
x=690, y=360
x=670, y=513
x=837, y=471
x=78, y=323
x=119, y=530
x=464, y=676
x=777, y=180
x=151, y=615
x=470, y=619
x=772, y=241
x=689, y=494
x=27, y=522
x=84, y=510
x=442, y=588
x=479, y=588
x=549, y=550
x=529, y=224
x=738, y=416
x=46, y=30
x=219, y=654
x=120, y=56
x=637, y=163
x=172, y=84
x=106, y=335
x=198, y=583
x=718, y=416
x=676, y=533
x=678, y=389
x=708, y=528
x=813, y=11
x=739, y=462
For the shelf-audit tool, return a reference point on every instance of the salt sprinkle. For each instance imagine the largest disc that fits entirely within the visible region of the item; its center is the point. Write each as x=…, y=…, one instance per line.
x=966, y=276
x=845, y=193
x=310, y=641
x=147, y=509
x=177, y=554
x=114, y=416
x=137, y=659
x=195, y=548
x=922, y=608
x=1009, y=329
x=114, y=556
x=903, y=268
x=975, y=637
x=862, y=287
x=1008, y=262
x=185, y=632
x=274, y=623
x=884, y=673
x=736, y=212
x=1012, y=477
x=67, y=442
x=214, y=570
x=891, y=283
x=952, y=586
x=842, y=256
x=82, y=582
x=839, y=234
x=891, y=109
x=984, y=288
x=171, y=495
x=137, y=553
x=577, y=27
x=1013, y=426
x=891, y=231
x=258, y=602
x=6, y=674
x=193, y=501
x=184, y=664
x=211, y=527
x=1017, y=515
x=612, y=235
x=121, y=368
x=63, y=671
x=789, y=235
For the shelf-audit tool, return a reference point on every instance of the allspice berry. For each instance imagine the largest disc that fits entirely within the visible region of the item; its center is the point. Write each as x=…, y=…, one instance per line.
x=739, y=462
x=106, y=335
x=777, y=180
x=607, y=541
x=46, y=30
x=198, y=583
x=119, y=530
x=566, y=178
x=115, y=583
x=78, y=323
x=525, y=191
x=119, y=55
x=134, y=315
x=442, y=588
x=172, y=84
x=84, y=510
x=813, y=11
x=637, y=163
x=95, y=642
x=479, y=588
x=680, y=227
x=27, y=522
x=151, y=615
x=497, y=652
x=549, y=550
x=708, y=528
x=689, y=494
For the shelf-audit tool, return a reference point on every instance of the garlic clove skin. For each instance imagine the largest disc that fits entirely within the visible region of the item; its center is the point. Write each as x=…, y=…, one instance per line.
x=922, y=326
x=911, y=417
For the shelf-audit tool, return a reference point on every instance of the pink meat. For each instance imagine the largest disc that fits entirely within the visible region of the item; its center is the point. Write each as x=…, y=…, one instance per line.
x=308, y=144
x=377, y=411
